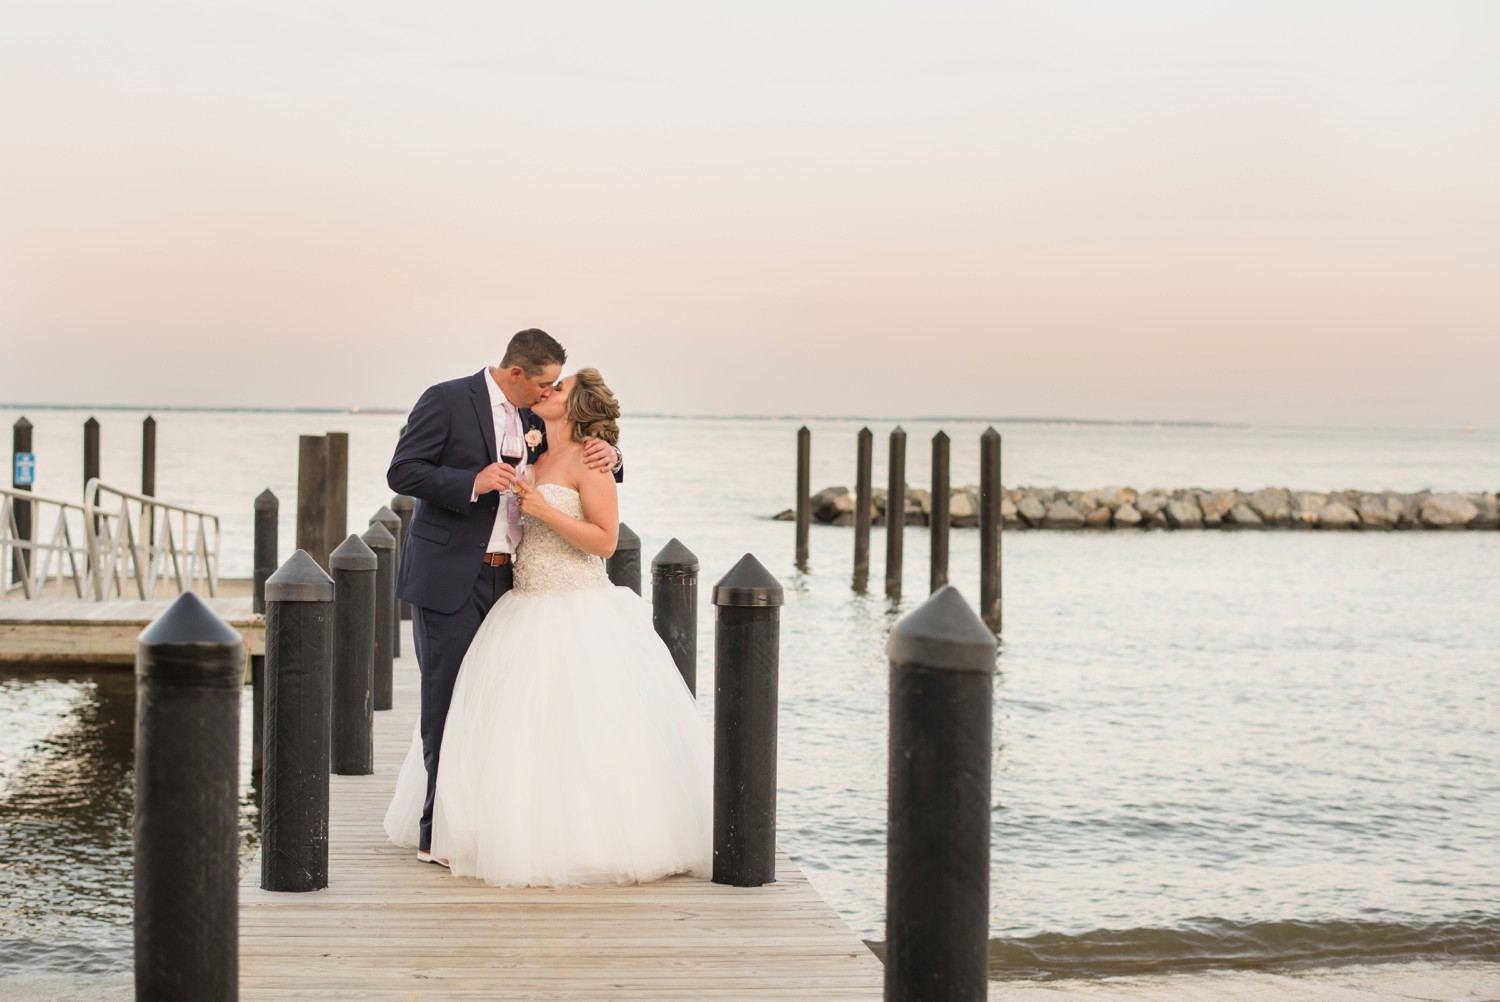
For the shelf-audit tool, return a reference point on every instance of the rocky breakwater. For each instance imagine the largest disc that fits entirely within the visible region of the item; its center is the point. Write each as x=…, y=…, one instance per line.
x=1183, y=508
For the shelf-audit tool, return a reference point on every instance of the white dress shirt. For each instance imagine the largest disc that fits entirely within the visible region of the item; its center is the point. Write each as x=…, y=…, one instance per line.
x=500, y=535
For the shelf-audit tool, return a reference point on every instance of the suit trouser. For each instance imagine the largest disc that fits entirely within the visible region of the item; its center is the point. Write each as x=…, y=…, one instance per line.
x=441, y=640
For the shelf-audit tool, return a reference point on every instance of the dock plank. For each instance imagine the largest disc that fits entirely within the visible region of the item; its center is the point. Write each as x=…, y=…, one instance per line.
x=388, y=927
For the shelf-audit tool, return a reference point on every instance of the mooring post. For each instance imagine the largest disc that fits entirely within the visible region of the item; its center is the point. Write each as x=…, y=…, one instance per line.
x=312, y=497
x=91, y=463
x=379, y=539
x=940, y=498
x=747, y=639
x=895, y=513
x=148, y=476
x=404, y=507
x=674, y=607
x=990, y=527
x=20, y=439
x=392, y=523
x=267, y=531
x=624, y=568
x=942, y=665
x=804, y=493
x=299, y=671
x=862, y=507
x=354, y=567
x=336, y=504
x=189, y=666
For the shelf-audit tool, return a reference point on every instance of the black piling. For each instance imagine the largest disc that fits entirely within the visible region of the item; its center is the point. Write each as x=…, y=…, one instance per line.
x=895, y=513
x=148, y=457
x=804, y=493
x=336, y=486
x=20, y=443
x=299, y=672
x=392, y=523
x=312, y=497
x=862, y=508
x=380, y=540
x=354, y=568
x=942, y=664
x=624, y=568
x=189, y=667
x=90, y=450
x=940, y=517
x=674, y=607
x=747, y=639
x=404, y=507
x=267, y=531
x=990, y=528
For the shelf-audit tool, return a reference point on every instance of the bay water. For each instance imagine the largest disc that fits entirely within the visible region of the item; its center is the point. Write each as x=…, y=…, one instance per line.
x=1212, y=749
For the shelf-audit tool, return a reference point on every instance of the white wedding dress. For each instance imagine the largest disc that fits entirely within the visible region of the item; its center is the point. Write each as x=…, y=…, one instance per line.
x=573, y=751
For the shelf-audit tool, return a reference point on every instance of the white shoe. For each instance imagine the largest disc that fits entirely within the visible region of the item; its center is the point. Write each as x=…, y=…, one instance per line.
x=424, y=856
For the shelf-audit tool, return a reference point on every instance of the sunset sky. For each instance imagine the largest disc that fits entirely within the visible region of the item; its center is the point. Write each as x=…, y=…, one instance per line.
x=1270, y=212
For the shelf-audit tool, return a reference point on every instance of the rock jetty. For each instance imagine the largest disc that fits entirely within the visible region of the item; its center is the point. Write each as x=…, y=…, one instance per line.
x=1183, y=508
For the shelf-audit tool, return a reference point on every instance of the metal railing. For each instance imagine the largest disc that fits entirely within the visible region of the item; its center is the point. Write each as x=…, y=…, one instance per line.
x=36, y=540
x=134, y=538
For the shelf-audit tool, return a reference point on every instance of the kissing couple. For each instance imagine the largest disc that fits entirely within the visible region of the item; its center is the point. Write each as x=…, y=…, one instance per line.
x=558, y=744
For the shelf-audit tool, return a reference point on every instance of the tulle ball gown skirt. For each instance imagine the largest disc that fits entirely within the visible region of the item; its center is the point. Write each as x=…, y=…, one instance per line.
x=573, y=752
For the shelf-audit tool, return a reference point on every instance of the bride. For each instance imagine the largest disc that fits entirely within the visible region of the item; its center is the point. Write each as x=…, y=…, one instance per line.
x=573, y=752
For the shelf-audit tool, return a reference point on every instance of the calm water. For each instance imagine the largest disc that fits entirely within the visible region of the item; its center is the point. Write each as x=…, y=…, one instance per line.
x=1211, y=749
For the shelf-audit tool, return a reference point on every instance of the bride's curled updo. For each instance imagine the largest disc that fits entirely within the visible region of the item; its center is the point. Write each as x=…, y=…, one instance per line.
x=592, y=408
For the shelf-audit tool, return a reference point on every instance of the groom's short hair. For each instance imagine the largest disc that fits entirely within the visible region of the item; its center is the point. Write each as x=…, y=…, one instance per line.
x=533, y=350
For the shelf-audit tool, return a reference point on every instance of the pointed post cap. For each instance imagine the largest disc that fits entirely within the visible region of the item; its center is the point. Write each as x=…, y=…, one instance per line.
x=378, y=537
x=990, y=432
x=300, y=579
x=675, y=558
x=898, y=430
x=22, y=423
x=943, y=632
x=353, y=555
x=748, y=584
x=387, y=518
x=92, y=422
x=401, y=504
x=188, y=620
x=266, y=501
x=628, y=539
x=941, y=436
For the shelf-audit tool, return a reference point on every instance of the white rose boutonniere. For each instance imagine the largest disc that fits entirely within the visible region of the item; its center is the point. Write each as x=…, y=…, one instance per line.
x=533, y=438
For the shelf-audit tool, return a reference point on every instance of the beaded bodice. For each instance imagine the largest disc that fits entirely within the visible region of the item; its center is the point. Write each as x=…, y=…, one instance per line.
x=545, y=562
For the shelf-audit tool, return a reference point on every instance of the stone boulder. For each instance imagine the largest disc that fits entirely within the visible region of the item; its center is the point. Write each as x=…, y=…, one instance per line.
x=1126, y=517
x=1112, y=497
x=1031, y=510
x=1008, y=512
x=1099, y=518
x=1158, y=521
x=1305, y=508
x=785, y=516
x=1216, y=504
x=1337, y=515
x=963, y=507
x=919, y=499
x=1489, y=511
x=1379, y=511
x=1447, y=511
x=829, y=502
x=1152, y=502
x=1184, y=513
x=1272, y=504
x=1062, y=515
x=1242, y=516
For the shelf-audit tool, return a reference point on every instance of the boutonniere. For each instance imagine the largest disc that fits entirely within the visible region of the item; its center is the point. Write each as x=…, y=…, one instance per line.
x=533, y=438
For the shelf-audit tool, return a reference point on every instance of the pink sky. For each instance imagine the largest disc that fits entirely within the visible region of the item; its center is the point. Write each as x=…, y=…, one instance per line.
x=1280, y=213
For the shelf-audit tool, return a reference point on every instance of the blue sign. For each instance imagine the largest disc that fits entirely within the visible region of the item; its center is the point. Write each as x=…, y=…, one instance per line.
x=25, y=469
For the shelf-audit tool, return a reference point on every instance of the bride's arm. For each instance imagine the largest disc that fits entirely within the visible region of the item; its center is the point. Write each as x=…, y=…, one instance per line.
x=599, y=530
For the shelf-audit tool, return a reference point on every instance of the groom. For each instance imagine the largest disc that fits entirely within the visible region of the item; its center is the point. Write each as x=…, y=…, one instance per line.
x=457, y=559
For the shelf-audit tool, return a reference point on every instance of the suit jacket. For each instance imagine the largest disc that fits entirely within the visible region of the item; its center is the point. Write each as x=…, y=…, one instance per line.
x=449, y=438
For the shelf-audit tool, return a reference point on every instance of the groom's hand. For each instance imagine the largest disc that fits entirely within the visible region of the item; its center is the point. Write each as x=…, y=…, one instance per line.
x=494, y=477
x=600, y=455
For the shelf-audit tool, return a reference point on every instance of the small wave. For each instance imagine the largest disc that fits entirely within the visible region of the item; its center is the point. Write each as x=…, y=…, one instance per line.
x=1216, y=943
x=31, y=957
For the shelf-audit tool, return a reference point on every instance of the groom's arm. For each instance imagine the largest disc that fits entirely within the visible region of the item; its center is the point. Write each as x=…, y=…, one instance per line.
x=416, y=468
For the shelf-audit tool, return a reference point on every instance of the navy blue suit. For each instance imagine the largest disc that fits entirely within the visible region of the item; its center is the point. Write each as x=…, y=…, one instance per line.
x=449, y=438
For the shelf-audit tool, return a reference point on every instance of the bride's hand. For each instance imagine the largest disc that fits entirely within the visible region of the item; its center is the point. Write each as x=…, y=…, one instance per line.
x=533, y=502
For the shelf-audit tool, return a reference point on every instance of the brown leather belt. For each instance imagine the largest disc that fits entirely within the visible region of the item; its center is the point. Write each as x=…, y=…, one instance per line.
x=496, y=559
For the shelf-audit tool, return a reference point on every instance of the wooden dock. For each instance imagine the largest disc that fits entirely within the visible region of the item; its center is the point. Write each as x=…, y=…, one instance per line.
x=388, y=927
x=51, y=631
